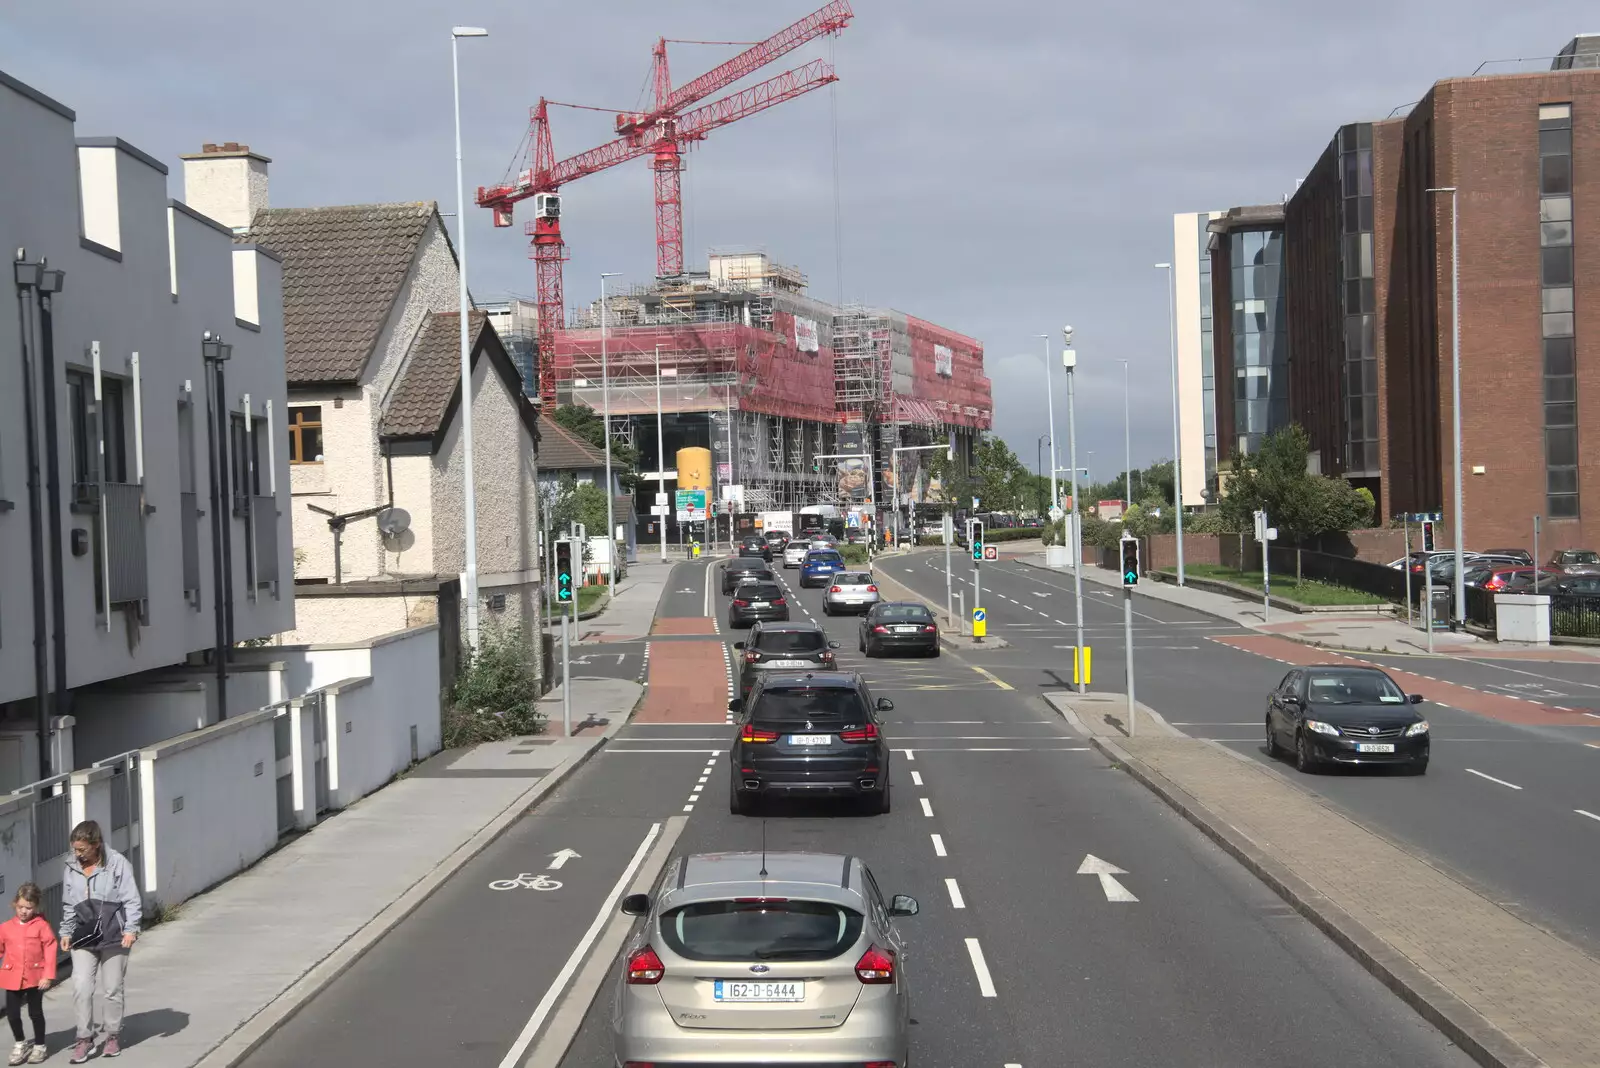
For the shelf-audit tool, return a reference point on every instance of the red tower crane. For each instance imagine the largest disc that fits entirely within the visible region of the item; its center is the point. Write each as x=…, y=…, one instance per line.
x=664, y=132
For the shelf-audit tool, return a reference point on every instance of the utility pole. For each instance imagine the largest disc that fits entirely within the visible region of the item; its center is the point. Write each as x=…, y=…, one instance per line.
x=605, y=403
x=1050, y=400
x=1069, y=360
x=661, y=462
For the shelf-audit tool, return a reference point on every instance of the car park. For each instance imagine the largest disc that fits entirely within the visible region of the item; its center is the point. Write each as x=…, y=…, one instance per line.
x=809, y=734
x=1576, y=561
x=1324, y=715
x=745, y=958
x=899, y=627
x=794, y=554
x=1572, y=585
x=783, y=647
x=743, y=567
x=755, y=545
x=820, y=566
x=1521, y=556
x=852, y=591
x=755, y=602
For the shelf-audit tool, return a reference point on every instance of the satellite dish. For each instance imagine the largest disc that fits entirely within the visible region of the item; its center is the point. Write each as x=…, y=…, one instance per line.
x=392, y=522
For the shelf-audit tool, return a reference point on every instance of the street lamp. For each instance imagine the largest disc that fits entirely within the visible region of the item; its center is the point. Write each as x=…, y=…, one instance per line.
x=1458, y=519
x=605, y=404
x=1127, y=447
x=661, y=458
x=1177, y=434
x=1069, y=361
x=1050, y=400
x=1038, y=462
x=468, y=493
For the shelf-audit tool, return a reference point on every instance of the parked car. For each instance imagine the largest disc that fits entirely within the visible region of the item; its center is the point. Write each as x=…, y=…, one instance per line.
x=1509, y=578
x=744, y=567
x=1522, y=580
x=813, y=733
x=794, y=554
x=852, y=591
x=740, y=954
x=755, y=545
x=1582, y=585
x=783, y=647
x=1442, y=570
x=1521, y=555
x=754, y=602
x=1346, y=715
x=1419, y=558
x=899, y=626
x=777, y=540
x=1576, y=561
x=820, y=566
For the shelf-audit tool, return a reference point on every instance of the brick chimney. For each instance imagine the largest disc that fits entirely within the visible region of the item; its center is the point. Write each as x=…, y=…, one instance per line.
x=227, y=182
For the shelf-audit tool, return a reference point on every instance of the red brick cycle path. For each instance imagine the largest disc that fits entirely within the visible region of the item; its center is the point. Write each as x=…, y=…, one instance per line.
x=687, y=681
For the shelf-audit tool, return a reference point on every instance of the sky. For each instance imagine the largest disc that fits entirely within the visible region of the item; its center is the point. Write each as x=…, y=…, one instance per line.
x=1003, y=168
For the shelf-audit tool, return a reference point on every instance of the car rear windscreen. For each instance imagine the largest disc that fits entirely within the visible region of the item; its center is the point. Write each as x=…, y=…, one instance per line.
x=824, y=558
x=809, y=705
x=791, y=641
x=911, y=612
x=773, y=930
x=759, y=591
x=852, y=578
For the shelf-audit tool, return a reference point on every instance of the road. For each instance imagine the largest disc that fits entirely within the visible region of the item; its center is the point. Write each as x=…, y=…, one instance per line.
x=1511, y=825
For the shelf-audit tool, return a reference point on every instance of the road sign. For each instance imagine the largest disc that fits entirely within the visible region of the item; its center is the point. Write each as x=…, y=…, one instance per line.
x=660, y=509
x=980, y=623
x=1056, y=513
x=661, y=498
x=1082, y=664
x=691, y=504
x=991, y=552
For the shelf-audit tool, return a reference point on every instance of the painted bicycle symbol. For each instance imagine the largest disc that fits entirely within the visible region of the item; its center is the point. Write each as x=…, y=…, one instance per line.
x=527, y=881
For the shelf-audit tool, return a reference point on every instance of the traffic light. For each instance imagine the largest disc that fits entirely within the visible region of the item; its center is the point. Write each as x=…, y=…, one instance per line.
x=1130, y=561
x=1427, y=535
x=564, y=590
x=975, y=537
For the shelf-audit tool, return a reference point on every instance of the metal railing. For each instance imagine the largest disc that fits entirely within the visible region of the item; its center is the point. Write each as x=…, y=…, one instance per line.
x=50, y=819
x=189, y=520
x=1575, y=615
x=127, y=571
x=125, y=836
x=264, y=529
x=1480, y=607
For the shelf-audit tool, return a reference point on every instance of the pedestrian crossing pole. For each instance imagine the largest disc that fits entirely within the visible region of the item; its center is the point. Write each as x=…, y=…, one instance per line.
x=1130, y=578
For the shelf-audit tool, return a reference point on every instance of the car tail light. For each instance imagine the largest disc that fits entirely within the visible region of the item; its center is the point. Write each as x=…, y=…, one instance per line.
x=930, y=629
x=1495, y=583
x=875, y=967
x=750, y=657
x=756, y=734
x=778, y=601
x=872, y=589
x=835, y=589
x=646, y=969
x=740, y=604
x=869, y=733
x=827, y=657
x=880, y=629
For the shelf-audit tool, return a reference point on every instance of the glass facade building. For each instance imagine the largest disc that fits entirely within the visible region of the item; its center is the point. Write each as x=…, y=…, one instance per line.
x=1359, y=381
x=1259, y=335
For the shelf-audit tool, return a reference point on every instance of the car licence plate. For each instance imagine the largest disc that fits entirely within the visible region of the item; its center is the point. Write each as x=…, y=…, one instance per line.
x=810, y=739
x=788, y=663
x=907, y=630
x=760, y=990
x=1374, y=747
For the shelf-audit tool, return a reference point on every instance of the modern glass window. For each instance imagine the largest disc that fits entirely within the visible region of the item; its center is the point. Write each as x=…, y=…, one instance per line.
x=1359, y=407
x=1260, y=348
x=86, y=420
x=1556, y=311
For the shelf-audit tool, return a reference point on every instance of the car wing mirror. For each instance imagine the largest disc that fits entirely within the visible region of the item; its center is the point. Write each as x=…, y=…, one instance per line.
x=738, y=645
x=734, y=705
x=1415, y=698
x=639, y=905
x=885, y=705
x=902, y=905
x=833, y=645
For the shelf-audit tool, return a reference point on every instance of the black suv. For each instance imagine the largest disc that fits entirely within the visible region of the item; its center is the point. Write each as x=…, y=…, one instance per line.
x=810, y=734
x=755, y=545
x=791, y=646
x=756, y=601
x=743, y=567
x=777, y=540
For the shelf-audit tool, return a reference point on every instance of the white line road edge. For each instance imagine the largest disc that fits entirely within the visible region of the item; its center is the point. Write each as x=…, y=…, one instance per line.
x=985, y=981
x=938, y=845
x=558, y=986
x=1491, y=778
x=956, y=901
x=927, y=809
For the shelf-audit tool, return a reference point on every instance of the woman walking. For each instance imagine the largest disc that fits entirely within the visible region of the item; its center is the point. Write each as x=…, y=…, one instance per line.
x=27, y=970
x=99, y=924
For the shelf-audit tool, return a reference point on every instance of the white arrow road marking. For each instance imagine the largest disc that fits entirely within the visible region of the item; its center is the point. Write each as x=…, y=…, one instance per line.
x=560, y=857
x=1115, y=891
x=1038, y=593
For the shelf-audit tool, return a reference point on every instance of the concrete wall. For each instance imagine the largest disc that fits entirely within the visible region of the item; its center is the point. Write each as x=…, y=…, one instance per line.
x=16, y=844
x=119, y=293
x=1188, y=243
x=333, y=616
x=114, y=721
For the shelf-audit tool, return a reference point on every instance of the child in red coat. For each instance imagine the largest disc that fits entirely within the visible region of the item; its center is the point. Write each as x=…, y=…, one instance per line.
x=27, y=968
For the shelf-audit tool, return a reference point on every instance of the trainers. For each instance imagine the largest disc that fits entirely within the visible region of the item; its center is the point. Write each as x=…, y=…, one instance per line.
x=38, y=1053
x=81, y=1051
x=19, y=1053
x=112, y=1048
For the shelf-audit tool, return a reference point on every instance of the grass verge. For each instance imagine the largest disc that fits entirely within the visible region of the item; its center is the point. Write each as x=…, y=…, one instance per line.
x=1308, y=592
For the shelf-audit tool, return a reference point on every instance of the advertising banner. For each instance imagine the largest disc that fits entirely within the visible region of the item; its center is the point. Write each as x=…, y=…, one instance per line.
x=805, y=334
x=853, y=480
x=943, y=361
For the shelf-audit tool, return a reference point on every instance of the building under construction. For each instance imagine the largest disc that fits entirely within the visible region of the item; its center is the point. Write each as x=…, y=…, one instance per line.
x=742, y=361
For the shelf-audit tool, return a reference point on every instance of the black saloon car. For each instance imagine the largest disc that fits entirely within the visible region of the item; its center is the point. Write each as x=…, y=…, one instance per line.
x=899, y=627
x=810, y=734
x=782, y=647
x=740, y=568
x=755, y=545
x=754, y=602
x=1346, y=715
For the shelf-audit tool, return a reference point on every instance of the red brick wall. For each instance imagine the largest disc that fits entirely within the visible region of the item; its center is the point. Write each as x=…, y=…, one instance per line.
x=1161, y=550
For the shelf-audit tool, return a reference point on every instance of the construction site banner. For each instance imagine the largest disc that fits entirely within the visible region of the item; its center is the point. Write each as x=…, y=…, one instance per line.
x=853, y=480
x=805, y=334
x=943, y=361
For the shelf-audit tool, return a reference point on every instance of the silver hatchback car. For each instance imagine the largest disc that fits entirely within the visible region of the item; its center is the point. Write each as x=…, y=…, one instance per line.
x=764, y=958
x=852, y=591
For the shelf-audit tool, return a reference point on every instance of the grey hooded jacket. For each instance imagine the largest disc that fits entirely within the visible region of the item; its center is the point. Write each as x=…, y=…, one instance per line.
x=112, y=881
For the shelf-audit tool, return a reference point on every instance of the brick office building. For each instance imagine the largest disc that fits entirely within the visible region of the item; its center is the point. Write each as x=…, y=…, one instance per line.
x=1368, y=263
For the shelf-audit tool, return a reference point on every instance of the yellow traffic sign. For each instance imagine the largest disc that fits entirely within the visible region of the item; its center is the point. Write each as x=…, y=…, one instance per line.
x=980, y=623
x=1082, y=664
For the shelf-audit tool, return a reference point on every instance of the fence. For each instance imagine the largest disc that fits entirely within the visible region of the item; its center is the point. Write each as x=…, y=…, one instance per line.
x=51, y=822
x=1480, y=608
x=1574, y=615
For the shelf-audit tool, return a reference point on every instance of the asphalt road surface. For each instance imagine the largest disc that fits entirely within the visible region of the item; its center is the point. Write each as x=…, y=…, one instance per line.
x=1515, y=824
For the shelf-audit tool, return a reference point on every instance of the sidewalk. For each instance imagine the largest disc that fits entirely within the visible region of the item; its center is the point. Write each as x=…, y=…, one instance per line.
x=206, y=986
x=632, y=608
x=1503, y=989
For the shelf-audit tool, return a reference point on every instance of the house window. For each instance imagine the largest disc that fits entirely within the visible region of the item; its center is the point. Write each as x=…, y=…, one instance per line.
x=86, y=426
x=305, y=434
x=245, y=460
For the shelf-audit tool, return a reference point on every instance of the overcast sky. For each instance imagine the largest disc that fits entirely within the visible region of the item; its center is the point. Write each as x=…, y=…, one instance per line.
x=1004, y=167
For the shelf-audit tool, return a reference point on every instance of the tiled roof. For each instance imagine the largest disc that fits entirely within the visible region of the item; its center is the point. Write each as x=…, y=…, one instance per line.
x=561, y=450
x=343, y=268
x=430, y=376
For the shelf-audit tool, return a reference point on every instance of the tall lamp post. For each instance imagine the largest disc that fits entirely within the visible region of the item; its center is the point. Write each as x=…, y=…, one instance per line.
x=605, y=405
x=469, y=497
x=661, y=459
x=1050, y=400
x=1177, y=433
x=1069, y=361
x=1127, y=446
x=1458, y=518
x=1038, y=464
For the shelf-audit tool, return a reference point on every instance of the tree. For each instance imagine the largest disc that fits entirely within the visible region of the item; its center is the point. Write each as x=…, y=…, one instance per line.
x=1298, y=503
x=577, y=502
x=589, y=425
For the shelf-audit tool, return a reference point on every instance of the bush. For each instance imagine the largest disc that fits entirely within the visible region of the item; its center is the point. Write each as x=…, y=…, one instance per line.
x=853, y=554
x=495, y=693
